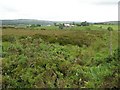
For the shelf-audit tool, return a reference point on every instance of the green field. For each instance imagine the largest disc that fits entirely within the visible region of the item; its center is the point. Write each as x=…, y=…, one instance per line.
x=115, y=27
x=76, y=57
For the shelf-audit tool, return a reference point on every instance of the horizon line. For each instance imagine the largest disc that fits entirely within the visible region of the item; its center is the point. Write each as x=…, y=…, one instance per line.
x=61, y=20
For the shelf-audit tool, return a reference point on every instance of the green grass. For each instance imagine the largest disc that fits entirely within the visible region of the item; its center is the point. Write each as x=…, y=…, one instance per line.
x=91, y=27
x=115, y=27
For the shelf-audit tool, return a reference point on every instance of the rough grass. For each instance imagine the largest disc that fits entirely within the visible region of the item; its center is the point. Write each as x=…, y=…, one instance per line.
x=20, y=32
x=58, y=59
x=30, y=62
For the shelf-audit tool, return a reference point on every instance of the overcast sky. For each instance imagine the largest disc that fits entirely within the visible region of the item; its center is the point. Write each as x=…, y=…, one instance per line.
x=60, y=10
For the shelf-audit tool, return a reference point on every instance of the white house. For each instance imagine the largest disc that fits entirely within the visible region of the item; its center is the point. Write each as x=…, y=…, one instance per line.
x=68, y=25
x=48, y=25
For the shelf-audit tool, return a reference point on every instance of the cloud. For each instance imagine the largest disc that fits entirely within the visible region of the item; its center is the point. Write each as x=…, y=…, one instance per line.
x=8, y=9
x=106, y=3
x=59, y=10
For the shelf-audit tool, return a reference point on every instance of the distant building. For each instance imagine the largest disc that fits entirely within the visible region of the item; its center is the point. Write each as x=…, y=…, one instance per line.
x=68, y=25
x=72, y=25
x=29, y=25
x=48, y=25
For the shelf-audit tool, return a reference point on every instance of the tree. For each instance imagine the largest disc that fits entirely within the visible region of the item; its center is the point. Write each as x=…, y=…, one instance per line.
x=78, y=24
x=56, y=24
x=73, y=23
x=38, y=25
x=61, y=26
x=85, y=23
x=110, y=29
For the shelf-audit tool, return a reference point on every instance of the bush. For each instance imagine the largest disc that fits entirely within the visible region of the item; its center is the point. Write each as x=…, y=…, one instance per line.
x=33, y=62
x=43, y=29
x=10, y=38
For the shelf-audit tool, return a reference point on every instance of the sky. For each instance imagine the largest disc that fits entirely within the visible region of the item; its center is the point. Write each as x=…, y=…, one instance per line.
x=60, y=10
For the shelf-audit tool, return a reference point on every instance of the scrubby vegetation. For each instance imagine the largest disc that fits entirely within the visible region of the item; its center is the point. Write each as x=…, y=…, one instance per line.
x=60, y=59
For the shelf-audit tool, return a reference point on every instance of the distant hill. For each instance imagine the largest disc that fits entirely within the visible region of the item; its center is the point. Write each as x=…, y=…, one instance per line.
x=32, y=21
x=109, y=22
x=112, y=22
x=44, y=22
x=26, y=22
